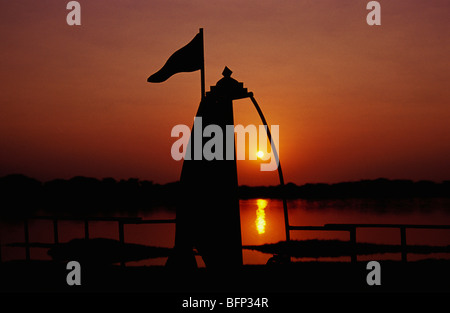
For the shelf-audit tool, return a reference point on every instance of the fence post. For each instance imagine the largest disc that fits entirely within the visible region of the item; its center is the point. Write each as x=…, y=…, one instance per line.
x=403, y=243
x=353, y=244
x=27, y=239
x=55, y=230
x=86, y=229
x=122, y=242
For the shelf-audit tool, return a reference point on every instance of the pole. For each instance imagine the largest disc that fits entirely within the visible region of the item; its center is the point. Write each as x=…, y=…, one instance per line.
x=202, y=69
x=27, y=239
x=122, y=243
x=280, y=171
x=55, y=231
x=403, y=243
x=353, y=255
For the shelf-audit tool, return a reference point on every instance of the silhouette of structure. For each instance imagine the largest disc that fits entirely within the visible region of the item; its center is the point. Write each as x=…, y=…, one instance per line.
x=208, y=217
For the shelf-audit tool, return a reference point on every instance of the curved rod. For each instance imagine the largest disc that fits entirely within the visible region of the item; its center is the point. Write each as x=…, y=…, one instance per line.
x=280, y=171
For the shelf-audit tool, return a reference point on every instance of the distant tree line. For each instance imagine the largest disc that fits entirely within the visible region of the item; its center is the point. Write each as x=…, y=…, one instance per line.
x=378, y=188
x=81, y=195
x=22, y=195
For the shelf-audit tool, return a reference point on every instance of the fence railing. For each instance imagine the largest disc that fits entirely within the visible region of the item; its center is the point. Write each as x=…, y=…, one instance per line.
x=121, y=222
x=351, y=228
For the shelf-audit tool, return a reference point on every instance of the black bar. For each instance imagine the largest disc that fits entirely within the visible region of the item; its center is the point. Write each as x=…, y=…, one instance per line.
x=306, y=228
x=326, y=227
x=55, y=230
x=167, y=221
x=403, y=243
x=390, y=226
x=98, y=219
x=27, y=240
x=121, y=239
x=353, y=245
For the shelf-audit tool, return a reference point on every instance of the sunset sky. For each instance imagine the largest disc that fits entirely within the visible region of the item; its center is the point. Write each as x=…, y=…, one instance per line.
x=353, y=101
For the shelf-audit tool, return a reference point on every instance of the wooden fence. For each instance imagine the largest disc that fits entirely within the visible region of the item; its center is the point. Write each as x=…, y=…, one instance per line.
x=351, y=228
x=121, y=221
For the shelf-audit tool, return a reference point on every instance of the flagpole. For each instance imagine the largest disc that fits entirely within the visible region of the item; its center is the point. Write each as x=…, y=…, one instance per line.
x=202, y=69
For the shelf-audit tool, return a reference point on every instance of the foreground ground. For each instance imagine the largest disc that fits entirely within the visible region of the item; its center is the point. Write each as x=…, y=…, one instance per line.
x=305, y=277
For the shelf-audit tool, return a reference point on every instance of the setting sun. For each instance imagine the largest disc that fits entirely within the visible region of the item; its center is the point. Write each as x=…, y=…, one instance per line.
x=260, y=154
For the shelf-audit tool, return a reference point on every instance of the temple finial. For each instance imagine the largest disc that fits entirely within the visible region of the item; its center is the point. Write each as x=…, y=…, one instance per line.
x=227, y=72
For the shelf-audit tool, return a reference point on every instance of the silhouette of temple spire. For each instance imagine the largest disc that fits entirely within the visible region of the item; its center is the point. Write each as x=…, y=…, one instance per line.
x=208, y=217
x=228, y=87
x=227, y=72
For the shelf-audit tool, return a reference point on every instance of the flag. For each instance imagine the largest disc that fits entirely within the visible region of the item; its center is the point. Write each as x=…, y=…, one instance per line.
x=187, y=59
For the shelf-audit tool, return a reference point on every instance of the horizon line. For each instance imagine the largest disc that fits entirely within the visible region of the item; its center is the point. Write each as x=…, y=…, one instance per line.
x=243, y=185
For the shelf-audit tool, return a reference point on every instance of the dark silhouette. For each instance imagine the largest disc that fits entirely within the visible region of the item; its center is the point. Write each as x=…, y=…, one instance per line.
x=315, y=248
x=208, y=216
x=381, y=188
x=187, y=59
x=84, y=196
x=104, y=251
x=210, y=208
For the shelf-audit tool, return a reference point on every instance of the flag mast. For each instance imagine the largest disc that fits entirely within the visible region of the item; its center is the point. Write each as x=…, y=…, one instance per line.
x=202, y=69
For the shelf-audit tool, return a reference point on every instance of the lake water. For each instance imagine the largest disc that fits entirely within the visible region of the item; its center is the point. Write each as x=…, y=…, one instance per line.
x=262, y=221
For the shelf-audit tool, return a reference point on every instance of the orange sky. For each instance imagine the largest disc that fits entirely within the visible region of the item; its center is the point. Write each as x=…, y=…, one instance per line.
x=352, y=101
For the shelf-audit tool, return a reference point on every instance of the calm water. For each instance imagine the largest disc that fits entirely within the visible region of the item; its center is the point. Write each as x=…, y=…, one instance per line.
x=262, y=221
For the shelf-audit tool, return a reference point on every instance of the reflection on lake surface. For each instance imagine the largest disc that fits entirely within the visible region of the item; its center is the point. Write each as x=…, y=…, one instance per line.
x=262, y=221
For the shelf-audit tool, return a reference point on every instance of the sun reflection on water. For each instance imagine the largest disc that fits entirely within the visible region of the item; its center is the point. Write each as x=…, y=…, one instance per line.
x=260, y=221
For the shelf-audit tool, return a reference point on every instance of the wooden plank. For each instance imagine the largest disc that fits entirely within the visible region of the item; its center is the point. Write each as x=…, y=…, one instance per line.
x=164, y=221
x=388, y=226
x=92, y=218
x=428, y=226
x=31, y=244
x=307, y=228
x=330, y=227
